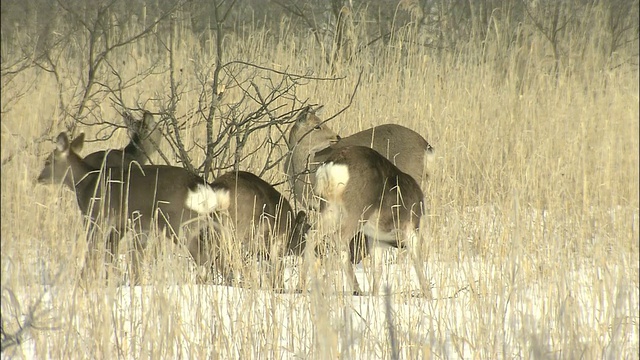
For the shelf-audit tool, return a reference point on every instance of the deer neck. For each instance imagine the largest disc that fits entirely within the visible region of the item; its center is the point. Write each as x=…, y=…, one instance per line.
x=82, y=174
x=301, y=156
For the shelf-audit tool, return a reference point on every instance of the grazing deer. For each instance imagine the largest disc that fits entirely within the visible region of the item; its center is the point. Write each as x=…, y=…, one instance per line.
x=251, y=218
x=174, y=199
x=362, y=191
x=144, y=135
x=312, y=142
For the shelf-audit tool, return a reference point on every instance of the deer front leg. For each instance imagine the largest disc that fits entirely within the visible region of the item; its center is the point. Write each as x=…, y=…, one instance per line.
x=111, y=253
x=276, y=262
x=91, y=260
x=415, y=254
x=137, y=255
x=94, y=263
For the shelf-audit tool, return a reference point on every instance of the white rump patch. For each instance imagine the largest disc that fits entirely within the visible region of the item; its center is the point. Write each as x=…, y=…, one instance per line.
x=205, y=200
x=430, y=155
x=331, y=180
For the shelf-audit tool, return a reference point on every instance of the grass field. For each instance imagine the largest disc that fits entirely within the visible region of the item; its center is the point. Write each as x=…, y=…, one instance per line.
x=531, y=230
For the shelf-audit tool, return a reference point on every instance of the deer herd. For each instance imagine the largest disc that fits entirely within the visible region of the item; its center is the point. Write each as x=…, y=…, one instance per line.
x=366, y=190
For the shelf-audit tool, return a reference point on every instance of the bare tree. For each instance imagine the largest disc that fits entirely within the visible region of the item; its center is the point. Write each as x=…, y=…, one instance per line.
x=229, y=125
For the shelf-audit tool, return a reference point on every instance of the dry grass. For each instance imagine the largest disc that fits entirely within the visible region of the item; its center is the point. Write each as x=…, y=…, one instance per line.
x=531, y=233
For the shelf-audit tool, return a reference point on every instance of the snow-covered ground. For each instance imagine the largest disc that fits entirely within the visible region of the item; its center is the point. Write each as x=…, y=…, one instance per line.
x=513, y=305
x=469, y=317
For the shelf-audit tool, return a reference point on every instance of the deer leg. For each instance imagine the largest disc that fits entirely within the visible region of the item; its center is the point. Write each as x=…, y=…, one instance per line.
x=308, y=260
x=348, y=267
x=380, y=235
x=111, y=253
x=304, y=266
x=346, y=236
x=377, y=255
x=358, y=248
x=298, y=245
x=206, y=250
x=276, y=262
x=415, y=254
x=199, y=248
x=225, y=254
x=93, y=264
x=341, y=232
x=91, y=261
x=138, y=254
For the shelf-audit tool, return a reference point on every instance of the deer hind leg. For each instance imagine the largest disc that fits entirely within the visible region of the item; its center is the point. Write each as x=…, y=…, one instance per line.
x=207, y=249
x=359, y=248
x=227, y=258
x=378, y=251
x=347, y=232
x=200, y=248
x=339, y=233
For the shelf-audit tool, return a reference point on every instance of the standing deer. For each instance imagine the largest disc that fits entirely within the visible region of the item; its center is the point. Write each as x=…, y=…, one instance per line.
x=171, y=197
x=362, y=191
x=110, y=196
x=144, y=135
x=312, y=142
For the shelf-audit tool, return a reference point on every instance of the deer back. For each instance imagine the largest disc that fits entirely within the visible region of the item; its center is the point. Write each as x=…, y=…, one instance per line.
x=144, y=135
x=373, y=184
x=402, y=146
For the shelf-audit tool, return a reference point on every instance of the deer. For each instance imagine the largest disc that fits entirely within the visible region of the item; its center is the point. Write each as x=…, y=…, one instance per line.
x=144, y=135
x=175, y=200
x=252, y=218
x=109, y=197
x=311, y=142
x=362, y=191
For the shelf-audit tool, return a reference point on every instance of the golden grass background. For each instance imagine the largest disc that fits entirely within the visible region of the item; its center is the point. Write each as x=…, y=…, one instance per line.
x=532, y=215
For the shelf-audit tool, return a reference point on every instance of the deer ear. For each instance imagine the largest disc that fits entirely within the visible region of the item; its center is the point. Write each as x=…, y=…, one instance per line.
x=306, y=111
x=316, y=109
x=128, y=119
x=62, y=142
x=77, y=143
x=147, y=118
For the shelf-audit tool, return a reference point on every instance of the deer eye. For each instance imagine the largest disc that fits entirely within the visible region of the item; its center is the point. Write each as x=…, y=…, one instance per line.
x=317, y=127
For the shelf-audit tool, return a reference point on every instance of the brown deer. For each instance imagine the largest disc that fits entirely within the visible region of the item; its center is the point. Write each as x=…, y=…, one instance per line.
x=170, y=197
x=312, y=142
x=252, y=219
x=144, y=135
x=109, y=196
x=362, y=191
